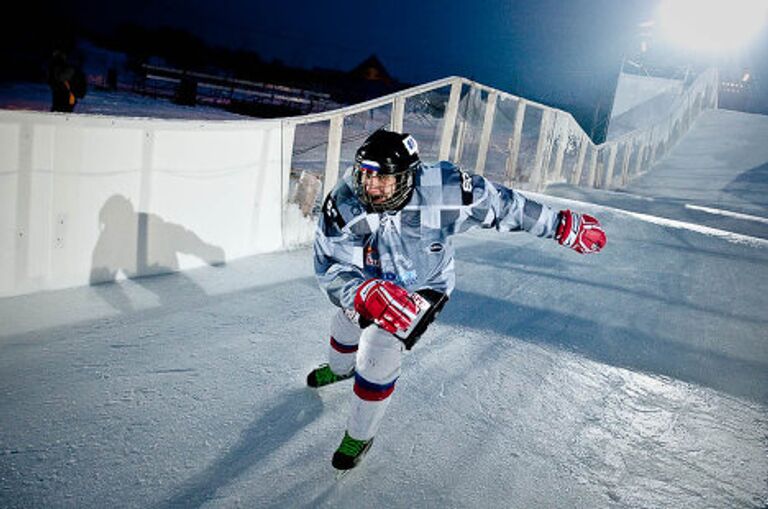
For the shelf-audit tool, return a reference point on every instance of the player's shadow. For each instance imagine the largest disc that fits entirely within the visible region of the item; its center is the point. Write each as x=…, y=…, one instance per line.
x=531, y=263
x=275, y=427
x=139, y=244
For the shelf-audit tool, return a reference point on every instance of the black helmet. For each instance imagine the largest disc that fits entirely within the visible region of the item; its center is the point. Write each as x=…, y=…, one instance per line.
x=386, y=153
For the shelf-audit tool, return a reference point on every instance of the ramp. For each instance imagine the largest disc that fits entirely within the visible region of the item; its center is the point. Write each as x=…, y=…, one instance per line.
x=715, y=176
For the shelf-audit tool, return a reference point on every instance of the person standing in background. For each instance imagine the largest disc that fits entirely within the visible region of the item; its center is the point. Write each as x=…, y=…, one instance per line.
x=67, y=82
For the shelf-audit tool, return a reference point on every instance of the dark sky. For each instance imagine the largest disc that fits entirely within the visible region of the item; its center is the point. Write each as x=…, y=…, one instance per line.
x=560, y=52
x=565, y=51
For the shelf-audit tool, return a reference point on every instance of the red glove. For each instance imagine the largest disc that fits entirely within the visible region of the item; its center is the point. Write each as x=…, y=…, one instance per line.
x=580, y=232
x=387, y=305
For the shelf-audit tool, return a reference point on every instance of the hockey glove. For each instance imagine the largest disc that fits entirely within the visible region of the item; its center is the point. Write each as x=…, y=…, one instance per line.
x=580, y=232
x=387, y=305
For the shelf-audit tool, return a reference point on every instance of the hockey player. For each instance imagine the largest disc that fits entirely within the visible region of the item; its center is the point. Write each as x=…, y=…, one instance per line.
x=384, y=257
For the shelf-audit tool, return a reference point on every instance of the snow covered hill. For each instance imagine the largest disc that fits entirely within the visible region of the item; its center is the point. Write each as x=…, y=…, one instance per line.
x=634, y=378
x=37, y=97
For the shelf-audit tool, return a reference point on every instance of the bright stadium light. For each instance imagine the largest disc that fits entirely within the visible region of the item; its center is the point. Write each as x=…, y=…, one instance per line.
x=717, y=26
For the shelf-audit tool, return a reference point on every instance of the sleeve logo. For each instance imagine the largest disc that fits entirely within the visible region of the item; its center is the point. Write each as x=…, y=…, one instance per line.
x=331, y=212
x=410, y=145
x=330, y=209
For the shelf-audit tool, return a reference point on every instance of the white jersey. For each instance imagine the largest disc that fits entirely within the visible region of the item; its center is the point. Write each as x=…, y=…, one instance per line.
x=412, y=246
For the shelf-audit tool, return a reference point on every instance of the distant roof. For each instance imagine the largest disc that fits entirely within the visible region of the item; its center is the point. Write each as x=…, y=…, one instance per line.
x=372, y=69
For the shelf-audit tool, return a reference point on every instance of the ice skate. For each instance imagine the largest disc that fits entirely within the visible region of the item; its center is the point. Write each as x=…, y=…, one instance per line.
x=322, y=376
x=350, y=452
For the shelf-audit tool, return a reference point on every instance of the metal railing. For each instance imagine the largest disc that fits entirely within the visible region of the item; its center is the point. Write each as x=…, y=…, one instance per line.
x=84, y=215
x=515, y=141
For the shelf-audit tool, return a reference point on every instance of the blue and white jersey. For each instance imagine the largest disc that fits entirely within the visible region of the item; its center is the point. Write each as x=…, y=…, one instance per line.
x=412, y=247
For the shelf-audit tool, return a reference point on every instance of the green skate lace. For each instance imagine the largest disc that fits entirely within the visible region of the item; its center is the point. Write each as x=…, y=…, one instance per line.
x=351, y=447
x=324, y=375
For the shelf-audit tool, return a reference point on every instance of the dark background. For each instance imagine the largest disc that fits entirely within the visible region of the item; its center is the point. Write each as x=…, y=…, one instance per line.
x=563, y=53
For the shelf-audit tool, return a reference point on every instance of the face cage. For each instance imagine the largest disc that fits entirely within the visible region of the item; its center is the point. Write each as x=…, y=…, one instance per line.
x=403, y=187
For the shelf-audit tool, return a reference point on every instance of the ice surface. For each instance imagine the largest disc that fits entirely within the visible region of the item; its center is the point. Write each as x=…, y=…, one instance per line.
x=633, y=378
x=721, y=164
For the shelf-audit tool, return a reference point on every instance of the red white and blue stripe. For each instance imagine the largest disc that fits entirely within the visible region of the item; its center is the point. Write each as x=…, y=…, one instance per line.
x=342, y=348
x=370, y=166
x=369, y=391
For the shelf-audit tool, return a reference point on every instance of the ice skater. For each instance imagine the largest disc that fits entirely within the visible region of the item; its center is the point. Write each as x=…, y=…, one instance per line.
x=383, y=255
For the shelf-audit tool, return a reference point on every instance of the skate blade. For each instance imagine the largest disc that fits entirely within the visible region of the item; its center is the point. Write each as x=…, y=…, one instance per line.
x=340, y=475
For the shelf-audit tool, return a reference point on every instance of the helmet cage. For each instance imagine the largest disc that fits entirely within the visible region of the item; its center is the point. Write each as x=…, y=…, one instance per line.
x=403, y=185
x=386, y=153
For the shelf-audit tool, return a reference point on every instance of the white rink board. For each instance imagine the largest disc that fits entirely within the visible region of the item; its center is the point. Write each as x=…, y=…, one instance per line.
x=88, y=199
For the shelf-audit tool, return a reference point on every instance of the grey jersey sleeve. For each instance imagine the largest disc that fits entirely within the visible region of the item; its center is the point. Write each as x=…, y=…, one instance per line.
x=338, y=254
x=489, y=205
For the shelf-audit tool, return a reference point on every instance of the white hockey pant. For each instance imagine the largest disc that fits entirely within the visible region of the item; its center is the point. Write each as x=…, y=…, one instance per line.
x=377, y=366
x=345, y=336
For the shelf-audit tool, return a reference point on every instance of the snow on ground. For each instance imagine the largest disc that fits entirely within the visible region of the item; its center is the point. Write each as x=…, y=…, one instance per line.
x=37, y=97
x=634, y=378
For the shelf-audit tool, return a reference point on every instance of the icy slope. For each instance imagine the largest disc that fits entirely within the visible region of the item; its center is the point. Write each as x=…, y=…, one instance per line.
x=635, y=378
x=717, y=176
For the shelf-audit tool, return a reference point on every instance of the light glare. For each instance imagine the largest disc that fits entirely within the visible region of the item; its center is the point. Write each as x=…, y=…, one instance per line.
x=712, y=25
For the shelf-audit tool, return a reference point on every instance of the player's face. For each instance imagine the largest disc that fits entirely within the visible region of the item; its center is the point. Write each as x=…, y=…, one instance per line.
x=379, y=187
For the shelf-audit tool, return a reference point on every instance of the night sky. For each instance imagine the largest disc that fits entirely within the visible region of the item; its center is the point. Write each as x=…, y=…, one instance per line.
x=557, y=51
x=560, y=52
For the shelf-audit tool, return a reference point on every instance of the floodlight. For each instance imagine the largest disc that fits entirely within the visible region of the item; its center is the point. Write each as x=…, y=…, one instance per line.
x=712, y=25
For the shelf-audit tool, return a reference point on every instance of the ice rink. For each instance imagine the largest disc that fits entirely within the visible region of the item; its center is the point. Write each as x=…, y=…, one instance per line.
x=634, y=378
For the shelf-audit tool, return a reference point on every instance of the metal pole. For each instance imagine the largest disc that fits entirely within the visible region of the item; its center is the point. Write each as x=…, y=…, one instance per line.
x=398, y=112
x=543, y=146
x=562, y=144
x=607, y=181
x=449, y=121
x=514, y=141
x=485, y=136
x=580, y=161
x=592, y=176
x=333, y=155
x=625, y=163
